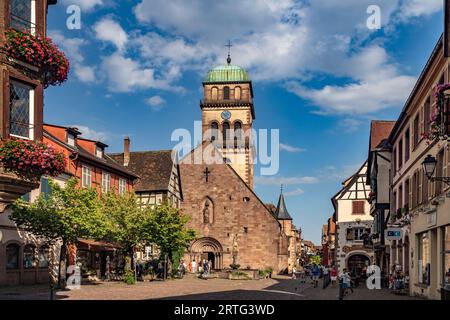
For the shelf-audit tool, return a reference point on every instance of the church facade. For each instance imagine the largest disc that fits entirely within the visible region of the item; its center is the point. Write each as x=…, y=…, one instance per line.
x=234, y=227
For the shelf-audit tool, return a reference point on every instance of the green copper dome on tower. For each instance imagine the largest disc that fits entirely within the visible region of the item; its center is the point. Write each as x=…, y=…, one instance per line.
x=227, y=73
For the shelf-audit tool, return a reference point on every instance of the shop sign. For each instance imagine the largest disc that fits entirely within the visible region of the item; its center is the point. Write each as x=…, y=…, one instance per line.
x=393, y=234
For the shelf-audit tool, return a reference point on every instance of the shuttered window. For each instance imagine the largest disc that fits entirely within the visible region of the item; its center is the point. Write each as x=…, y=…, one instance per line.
x=426, y=116
x=358, y=207
x=419, y=187
x=416, y=130
x=407, y=196
x=425, y=187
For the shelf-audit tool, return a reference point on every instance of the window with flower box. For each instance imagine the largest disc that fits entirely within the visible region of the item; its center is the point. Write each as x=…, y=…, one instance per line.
x=21, y=110
x=22, y=15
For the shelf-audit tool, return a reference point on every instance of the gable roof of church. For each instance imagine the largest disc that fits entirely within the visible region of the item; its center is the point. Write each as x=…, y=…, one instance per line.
x=281, y=213
x=235, y=173
x=154, y=168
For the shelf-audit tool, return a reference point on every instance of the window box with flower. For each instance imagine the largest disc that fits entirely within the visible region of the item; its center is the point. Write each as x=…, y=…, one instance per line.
x=37, y=56
x=439, y=119
x=22, y=163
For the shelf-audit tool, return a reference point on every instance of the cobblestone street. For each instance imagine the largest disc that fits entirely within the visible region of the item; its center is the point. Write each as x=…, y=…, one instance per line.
x=190, y=288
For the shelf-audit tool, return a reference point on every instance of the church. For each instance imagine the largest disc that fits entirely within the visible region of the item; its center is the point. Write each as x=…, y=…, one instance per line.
x=233, y=225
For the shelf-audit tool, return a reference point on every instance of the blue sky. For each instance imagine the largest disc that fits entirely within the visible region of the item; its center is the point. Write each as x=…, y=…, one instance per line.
x=319, y=75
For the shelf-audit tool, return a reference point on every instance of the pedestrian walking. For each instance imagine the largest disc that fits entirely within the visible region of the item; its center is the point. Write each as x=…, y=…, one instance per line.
x=294, y=271
x=194, y=266
x=326, y=277
x=346, y=281
x=315, y=275
x=333, y=276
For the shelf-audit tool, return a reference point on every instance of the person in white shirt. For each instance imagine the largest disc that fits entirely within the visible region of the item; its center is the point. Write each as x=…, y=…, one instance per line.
x=194, y=266
x=346, y=280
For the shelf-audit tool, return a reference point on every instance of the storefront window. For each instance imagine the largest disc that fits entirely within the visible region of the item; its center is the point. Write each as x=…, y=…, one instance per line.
x=44, y=257
x=447, y=256
x=12, y=256
x=29, y=260
x=424, y=259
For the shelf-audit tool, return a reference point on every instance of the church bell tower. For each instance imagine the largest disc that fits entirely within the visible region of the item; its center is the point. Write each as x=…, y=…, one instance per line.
x=228, y=114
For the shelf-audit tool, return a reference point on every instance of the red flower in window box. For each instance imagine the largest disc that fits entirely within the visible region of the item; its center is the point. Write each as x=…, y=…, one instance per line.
x=30, y=159
x=40, y=52
x=437, y=124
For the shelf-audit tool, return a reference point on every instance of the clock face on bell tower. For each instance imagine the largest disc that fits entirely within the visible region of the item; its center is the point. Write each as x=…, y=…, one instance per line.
x=227, y=116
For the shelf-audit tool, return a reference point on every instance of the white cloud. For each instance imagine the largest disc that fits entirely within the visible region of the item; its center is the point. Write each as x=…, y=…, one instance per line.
x=125, y=75
x=376, y=85
x=86, y=5
x=85, y=73
x=289, y=148
x=293, y=193
x=91, y=134
x=417, y=8
x=278, y=180
x=111, y=31
x=72, y=48
x=156, y=103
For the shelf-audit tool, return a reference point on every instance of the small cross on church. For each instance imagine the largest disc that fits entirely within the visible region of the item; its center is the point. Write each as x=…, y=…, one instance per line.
x=206, y=174
x=229, y=45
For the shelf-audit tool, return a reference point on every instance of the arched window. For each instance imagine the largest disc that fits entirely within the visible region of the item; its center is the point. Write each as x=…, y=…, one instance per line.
x=12, y=256
x=214, y=131
x=29, y=257
x=44, y=256
x=214, y=93
x=237, y=93
x=226, y=131
x=226, y=93
x=237, y=133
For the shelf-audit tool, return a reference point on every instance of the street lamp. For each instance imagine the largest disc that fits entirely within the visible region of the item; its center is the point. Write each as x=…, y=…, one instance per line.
x=429, y=166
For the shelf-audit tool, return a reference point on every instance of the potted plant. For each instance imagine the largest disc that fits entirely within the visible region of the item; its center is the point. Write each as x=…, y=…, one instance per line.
x=30, y=159
x=26, y=49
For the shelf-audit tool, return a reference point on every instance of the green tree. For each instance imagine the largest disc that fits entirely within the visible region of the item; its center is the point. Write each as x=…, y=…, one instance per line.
x=66, y=214
x=125, y=219
x=166, y=227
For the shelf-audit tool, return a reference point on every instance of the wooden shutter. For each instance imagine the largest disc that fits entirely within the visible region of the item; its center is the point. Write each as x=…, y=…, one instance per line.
x=408, y=191
x=358, y=207
x=419, y=186
x=425, y=187
x=426, y=115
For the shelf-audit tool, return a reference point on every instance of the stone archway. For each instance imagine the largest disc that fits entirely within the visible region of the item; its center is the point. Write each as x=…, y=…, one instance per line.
x=207, y=248
x=356, y=262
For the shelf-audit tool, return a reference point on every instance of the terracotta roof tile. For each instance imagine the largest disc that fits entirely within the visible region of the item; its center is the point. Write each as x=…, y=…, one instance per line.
x=153, y=167
x=379, y=131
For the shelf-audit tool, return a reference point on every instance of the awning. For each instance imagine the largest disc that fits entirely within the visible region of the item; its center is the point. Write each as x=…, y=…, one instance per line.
x=97, y=245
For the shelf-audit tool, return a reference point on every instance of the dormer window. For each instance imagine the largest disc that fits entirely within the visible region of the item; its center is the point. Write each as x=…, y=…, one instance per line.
x=23, y=15
x=71, y=140
x=99, y=152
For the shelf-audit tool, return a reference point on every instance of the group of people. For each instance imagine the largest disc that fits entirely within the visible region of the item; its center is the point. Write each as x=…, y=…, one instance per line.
x=315, y=272
x=204, y=267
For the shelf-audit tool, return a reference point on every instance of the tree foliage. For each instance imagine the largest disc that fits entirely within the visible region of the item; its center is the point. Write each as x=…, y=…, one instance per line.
x=125, y=218
x=67, y=213
x=166, y=227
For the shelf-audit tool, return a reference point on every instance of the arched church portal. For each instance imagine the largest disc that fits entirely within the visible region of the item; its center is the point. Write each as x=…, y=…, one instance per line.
x=207, y=249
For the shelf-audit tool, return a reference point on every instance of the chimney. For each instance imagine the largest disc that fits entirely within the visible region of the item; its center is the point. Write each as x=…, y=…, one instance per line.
x=126, y=151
